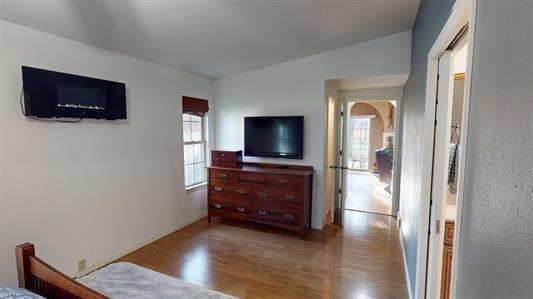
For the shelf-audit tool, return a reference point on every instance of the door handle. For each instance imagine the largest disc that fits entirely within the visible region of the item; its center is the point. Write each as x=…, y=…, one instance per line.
x=338, y=167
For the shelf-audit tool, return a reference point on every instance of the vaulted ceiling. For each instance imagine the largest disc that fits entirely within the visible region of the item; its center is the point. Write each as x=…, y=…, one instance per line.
x=215, y=38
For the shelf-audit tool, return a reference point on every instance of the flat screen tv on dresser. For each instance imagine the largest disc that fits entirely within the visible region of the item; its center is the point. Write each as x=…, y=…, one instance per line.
x=274, y=136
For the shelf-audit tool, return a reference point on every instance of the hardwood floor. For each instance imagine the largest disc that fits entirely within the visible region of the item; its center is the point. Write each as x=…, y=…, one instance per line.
x=363, y=260
x=366, y=193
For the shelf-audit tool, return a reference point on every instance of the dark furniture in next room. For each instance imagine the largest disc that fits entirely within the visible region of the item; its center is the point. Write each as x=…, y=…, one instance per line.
x=384, y=165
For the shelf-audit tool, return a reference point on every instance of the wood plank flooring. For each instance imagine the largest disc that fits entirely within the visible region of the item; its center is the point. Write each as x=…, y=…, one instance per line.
x=366, y=193
x=362, y=260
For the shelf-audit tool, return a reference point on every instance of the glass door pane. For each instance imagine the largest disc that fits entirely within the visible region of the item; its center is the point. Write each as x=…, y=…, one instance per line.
x=359, y=132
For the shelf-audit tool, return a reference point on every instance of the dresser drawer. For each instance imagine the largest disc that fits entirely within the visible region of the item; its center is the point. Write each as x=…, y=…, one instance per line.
x=252, y=177
x=230, y=205
x=286, y=216
x=226, y=175
x=286, y=180
x=221, y=188
x=278, y=195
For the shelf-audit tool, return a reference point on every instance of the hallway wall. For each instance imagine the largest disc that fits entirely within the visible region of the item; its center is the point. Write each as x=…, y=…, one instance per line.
x=431, y=17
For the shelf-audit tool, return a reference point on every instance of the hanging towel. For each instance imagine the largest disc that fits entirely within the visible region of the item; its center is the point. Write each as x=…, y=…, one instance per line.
x=452, y=167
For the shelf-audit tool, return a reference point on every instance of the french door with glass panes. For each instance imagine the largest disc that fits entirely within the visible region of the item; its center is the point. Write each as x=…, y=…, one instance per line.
x=358, y=142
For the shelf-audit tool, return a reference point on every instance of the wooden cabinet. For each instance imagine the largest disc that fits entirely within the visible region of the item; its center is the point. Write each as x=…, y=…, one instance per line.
x=446, y=277
x=228, y=159
x=262, y=193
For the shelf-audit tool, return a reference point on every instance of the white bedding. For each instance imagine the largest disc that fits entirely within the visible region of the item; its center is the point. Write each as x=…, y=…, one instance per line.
x=16, y=293
x=126, y=280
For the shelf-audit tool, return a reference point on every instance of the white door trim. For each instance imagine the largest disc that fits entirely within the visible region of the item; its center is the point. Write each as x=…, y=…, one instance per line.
x=462, y=12
x=443, y=117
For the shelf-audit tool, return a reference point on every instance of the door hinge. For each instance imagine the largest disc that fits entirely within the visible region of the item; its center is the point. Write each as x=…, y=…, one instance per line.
x=435, y=123
x=340, y=191
x=340, y=153
x=342, y=113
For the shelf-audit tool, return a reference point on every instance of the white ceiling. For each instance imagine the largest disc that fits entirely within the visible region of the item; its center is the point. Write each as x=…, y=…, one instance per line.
x=215, y=38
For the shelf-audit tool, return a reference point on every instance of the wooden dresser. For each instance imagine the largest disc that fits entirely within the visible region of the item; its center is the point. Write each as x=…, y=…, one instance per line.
x=278, y=195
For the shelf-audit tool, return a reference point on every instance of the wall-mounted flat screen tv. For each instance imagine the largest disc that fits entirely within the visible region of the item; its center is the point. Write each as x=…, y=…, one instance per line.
x=49, y=94
x=274, y=136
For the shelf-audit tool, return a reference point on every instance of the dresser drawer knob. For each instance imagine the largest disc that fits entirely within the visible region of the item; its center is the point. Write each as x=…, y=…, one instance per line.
x=222, y=175
x=262, y=213
x=262, y=194
x=218, y=189
x=289, y=216
x=240, y=191
x=289, y=197
x=217, y=205
x=283, y=181
x=239, y=209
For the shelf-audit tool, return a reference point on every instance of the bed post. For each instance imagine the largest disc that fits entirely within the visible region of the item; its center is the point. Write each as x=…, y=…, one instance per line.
x=23, y=253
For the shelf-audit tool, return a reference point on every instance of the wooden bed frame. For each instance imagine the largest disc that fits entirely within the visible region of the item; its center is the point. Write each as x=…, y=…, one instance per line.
x=42, y=279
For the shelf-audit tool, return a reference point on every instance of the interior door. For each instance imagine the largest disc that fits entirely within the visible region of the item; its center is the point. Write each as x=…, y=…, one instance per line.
x=330, y=158
x=443, y=116
x=338, y=166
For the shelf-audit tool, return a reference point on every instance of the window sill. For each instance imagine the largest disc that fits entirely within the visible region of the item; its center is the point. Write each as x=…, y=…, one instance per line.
x=196, y=187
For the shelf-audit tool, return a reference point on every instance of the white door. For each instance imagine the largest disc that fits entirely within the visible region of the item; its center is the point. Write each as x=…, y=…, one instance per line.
x=339, y=166
x=443, y=116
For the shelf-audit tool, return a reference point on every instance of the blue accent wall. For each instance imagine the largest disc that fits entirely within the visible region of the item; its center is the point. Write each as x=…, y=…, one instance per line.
x=431, y=17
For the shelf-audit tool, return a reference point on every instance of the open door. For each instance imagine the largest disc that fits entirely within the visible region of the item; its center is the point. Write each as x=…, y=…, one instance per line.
x=338, y=166
x=443, y=113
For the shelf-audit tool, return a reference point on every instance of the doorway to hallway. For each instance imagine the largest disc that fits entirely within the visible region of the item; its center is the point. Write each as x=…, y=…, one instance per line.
x=369, y=147
x=363, y=139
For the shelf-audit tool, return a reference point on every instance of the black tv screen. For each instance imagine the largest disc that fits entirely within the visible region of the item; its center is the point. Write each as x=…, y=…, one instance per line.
x=274, y=137
x=49, y=94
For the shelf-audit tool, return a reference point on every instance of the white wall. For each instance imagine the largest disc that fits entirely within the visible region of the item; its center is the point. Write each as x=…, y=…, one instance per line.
x=94, y=189
x=298, y=88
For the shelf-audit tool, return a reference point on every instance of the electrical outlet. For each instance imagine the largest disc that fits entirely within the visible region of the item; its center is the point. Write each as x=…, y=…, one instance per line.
x=82, y=265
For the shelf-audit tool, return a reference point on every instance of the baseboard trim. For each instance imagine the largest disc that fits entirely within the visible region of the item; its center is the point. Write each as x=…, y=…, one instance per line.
x=405, y=266
x=122, y=253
